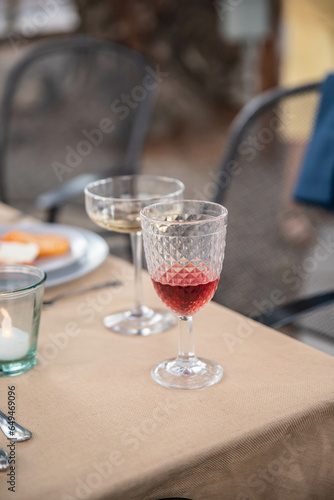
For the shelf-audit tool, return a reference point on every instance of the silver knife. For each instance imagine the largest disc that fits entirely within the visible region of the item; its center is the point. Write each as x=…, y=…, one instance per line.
x=4, y=459
x=12, y=430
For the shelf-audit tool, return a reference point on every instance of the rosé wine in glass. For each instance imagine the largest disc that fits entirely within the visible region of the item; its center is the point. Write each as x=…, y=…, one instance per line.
x=184, y=245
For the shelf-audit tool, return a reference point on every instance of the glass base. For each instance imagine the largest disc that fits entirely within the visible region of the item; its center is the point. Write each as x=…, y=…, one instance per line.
x=194, y=373
x=147, y=322
x=10, y=369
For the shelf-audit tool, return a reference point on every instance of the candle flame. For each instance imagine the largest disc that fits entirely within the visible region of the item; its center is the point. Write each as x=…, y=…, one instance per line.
x=6, y=323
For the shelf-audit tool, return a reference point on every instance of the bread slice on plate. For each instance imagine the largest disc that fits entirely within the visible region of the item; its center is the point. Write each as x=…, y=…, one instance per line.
x=18, y=253
x=49, y=244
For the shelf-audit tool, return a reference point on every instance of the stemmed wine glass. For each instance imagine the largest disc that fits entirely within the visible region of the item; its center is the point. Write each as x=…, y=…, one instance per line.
x=184, y=244
x=115, y=204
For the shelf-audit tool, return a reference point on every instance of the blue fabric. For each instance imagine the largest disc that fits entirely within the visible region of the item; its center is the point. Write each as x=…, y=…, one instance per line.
x=315, y=184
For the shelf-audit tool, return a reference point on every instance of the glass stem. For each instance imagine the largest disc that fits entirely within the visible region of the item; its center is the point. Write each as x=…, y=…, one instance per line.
x=137, y=254
x=186, y=338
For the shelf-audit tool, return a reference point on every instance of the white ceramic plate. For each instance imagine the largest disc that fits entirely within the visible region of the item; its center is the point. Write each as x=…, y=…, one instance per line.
x=96, y=253
x=76, y=239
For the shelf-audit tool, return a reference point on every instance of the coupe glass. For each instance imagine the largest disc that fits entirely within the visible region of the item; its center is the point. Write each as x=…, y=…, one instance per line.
x=184, y=245
x=115, y=204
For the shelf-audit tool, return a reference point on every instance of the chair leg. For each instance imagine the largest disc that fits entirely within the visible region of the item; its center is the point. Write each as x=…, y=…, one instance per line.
x=52, y=214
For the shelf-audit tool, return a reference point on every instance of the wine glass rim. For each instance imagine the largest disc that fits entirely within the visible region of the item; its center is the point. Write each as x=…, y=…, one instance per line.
x=158, y=218
x=101, y=182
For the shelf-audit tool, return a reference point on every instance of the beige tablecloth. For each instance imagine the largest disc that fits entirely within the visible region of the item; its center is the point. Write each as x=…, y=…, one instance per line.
x=103, y=430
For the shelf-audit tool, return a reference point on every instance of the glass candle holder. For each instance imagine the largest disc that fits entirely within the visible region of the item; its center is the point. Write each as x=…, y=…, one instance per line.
x=21, y=297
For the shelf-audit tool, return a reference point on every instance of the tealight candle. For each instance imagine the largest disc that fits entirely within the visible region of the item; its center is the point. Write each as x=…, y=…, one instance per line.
x=14, y=343
x=21, y=298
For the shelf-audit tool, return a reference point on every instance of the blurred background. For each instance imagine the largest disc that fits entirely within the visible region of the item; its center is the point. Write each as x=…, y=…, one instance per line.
x=210, y=58
x=217, y=56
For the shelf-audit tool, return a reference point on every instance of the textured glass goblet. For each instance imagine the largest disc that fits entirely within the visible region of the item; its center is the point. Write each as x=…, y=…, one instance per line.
x=115, y=204
x=184, y=245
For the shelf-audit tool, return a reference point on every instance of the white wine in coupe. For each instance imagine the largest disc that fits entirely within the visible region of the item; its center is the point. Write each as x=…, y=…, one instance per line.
x=115, y=205
x=122, y=223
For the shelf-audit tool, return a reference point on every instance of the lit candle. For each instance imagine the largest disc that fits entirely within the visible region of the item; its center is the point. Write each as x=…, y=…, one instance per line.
x=14, y=343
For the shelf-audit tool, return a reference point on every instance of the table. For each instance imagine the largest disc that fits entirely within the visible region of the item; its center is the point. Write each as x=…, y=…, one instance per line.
x=103, y=430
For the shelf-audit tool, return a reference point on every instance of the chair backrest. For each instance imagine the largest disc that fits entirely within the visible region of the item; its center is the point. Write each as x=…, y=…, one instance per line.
x=72, y=106
x=277, y=250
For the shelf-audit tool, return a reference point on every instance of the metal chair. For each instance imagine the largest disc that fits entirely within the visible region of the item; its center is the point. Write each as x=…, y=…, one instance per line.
x=73, y=110
x=267, y=275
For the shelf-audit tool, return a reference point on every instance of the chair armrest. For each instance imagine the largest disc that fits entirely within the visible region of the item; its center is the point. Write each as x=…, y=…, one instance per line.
x=53, y=200
x=283, y=315
x=67, y=191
